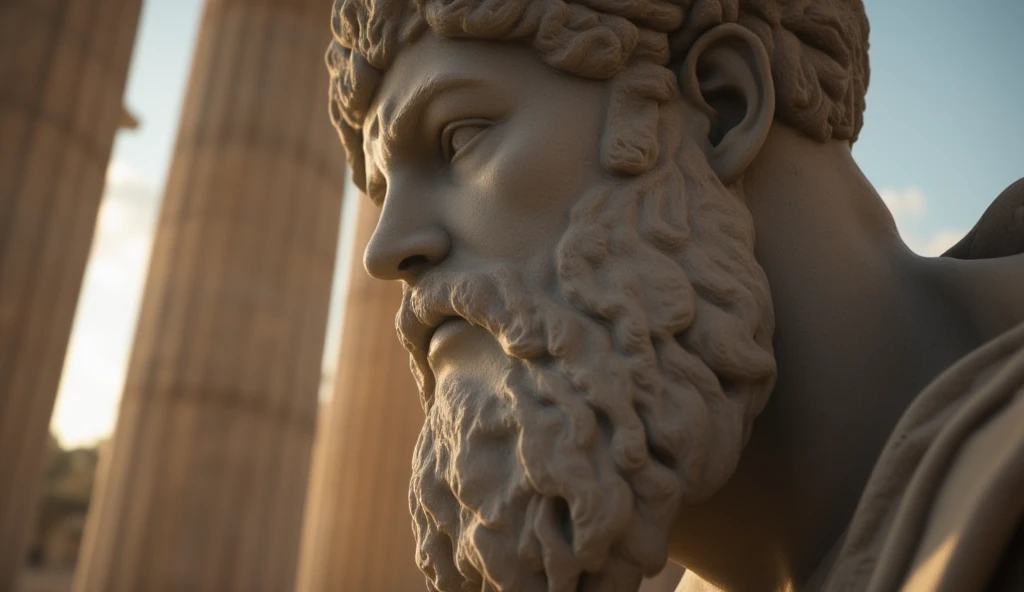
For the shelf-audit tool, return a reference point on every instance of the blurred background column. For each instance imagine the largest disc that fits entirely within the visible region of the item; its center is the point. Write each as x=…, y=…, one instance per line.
x=63, y=66
x=206, y=480
x=358, y=531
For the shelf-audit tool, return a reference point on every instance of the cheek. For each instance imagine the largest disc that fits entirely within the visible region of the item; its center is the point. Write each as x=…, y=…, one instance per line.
x=523, y=194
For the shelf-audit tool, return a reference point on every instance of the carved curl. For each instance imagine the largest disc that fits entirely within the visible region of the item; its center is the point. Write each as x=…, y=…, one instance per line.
x=818, y=48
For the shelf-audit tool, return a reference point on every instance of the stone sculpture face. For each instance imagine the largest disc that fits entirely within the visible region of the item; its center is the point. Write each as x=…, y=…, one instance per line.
x=589, y=326
x=578, y=399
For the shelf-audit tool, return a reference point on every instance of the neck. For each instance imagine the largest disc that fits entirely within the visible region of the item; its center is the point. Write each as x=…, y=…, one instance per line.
x=862, y=326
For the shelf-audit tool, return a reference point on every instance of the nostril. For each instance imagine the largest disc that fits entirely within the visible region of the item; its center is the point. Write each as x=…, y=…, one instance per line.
x=411, y=262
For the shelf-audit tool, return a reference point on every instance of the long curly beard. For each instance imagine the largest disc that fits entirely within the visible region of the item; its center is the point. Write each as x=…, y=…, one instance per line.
x=631, y=381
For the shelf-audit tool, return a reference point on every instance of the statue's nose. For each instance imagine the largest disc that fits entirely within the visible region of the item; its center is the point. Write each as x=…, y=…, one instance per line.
x=403, y=247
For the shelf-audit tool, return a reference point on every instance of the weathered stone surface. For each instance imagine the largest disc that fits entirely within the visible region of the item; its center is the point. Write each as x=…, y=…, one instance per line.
x=655, y=309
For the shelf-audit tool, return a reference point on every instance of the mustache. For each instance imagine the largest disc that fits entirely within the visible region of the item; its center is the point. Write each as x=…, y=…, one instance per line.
x=445, y=295
x=493, y=300
x=496, y=301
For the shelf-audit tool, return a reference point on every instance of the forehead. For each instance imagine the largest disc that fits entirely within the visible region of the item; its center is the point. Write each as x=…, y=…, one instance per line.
x=433, y=61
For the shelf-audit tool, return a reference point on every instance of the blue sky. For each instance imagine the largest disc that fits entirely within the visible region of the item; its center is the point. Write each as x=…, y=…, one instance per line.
x=945, y=108
x=943, y=136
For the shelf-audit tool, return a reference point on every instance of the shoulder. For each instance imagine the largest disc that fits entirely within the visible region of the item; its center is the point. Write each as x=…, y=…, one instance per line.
x=999, y=232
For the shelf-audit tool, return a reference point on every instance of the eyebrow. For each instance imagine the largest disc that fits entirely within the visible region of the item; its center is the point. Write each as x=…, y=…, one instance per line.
x=393, y=118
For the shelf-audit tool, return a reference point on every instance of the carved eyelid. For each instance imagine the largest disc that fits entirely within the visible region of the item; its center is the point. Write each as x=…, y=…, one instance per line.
x=449, y=130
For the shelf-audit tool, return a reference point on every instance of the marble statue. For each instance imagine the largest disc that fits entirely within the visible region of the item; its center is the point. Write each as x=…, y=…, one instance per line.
x=656, y=312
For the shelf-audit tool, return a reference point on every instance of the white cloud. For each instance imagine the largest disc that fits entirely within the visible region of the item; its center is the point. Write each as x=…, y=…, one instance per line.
x=905, y=204
x=100, y=343
x=909, y=208
x=938, y=243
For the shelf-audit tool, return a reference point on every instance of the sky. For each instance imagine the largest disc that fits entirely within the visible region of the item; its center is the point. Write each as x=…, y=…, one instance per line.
x=943, y=137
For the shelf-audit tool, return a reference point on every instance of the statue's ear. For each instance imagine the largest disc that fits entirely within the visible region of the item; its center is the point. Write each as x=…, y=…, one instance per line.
x=727, y=75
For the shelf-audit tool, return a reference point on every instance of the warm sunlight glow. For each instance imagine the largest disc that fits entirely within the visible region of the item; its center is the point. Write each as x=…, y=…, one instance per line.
x=98, y=349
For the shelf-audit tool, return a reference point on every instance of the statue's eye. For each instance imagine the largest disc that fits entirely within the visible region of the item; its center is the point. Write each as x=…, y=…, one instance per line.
x=458, y=135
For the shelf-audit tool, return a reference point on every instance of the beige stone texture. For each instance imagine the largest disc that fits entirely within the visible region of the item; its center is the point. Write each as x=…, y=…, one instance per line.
x=655, y=306
x=358, y=533
x=63, y=66
x=374, y=409
x=204, y=486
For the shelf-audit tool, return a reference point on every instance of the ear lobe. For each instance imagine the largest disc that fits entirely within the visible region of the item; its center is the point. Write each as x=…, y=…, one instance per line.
x=727, y=76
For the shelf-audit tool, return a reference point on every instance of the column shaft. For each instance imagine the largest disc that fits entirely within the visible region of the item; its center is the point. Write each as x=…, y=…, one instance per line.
x=63, y=66
x=206, y=480
x=358, y=531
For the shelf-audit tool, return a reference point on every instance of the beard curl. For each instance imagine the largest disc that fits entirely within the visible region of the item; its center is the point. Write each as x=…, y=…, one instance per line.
x=630, y=387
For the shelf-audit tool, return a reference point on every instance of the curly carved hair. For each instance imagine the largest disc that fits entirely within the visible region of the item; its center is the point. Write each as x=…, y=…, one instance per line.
x=818, y=48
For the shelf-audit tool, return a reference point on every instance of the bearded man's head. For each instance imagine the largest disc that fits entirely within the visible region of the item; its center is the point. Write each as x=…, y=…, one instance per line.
x=562, y=196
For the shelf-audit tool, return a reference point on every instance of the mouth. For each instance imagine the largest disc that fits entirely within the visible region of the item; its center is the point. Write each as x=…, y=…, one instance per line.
x=416, y=333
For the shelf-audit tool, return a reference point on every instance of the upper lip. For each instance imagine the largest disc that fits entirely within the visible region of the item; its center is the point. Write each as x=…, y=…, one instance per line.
x=421, y=316
x=418, y=332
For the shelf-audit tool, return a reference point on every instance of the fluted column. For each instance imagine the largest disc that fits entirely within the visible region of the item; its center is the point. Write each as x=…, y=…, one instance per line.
x=63, y=66
x=358, y=531
x=206, y=480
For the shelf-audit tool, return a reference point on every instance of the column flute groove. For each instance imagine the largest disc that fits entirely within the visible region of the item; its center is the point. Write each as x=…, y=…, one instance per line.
x=357, y=530
x=212, y=445
x=63, y=68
